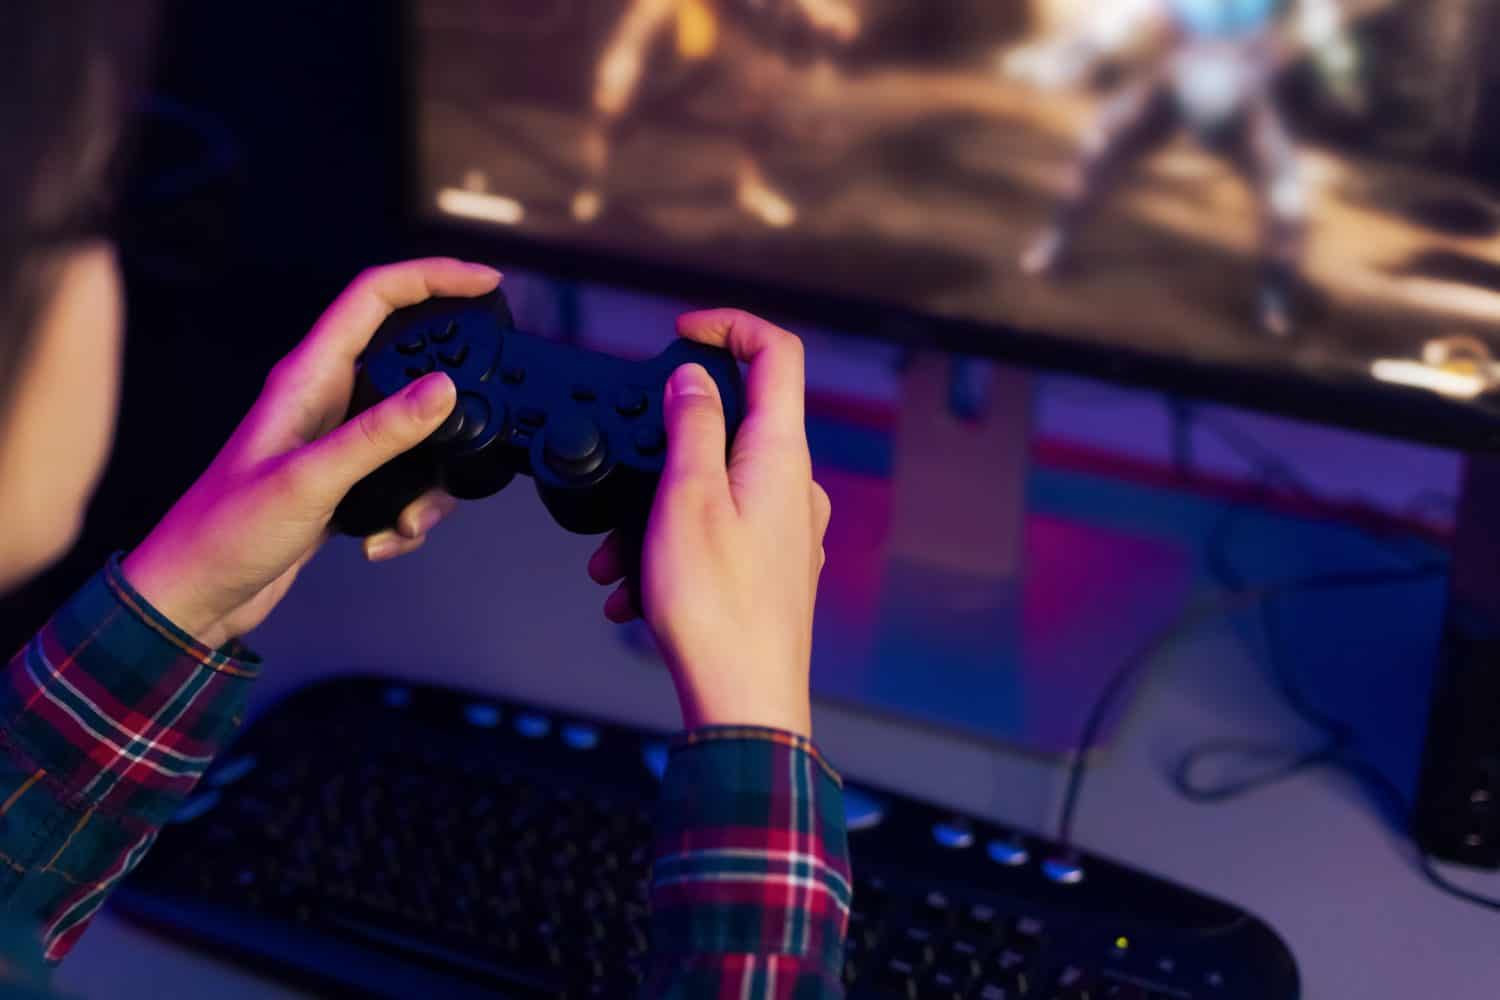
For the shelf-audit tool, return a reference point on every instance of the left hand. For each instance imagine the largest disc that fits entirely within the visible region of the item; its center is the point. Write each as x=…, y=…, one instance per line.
x=226, y=552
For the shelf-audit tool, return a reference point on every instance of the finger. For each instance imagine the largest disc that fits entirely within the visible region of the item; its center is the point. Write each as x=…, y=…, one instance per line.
x=425, y=513
x=775, y=386
x=346, y=326
x=694, y=416
x=607, y=564
x=622, y=606
x=390, y=545
x=323, y=471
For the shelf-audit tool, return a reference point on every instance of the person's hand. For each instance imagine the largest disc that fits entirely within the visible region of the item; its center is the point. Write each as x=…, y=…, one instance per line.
x=228, y=550
x=733, y=551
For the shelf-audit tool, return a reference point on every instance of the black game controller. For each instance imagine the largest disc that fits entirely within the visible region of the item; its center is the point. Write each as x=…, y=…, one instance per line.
x=586, y=426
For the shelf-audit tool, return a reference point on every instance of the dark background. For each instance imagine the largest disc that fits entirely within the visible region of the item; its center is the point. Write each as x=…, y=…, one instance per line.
x=261, y=180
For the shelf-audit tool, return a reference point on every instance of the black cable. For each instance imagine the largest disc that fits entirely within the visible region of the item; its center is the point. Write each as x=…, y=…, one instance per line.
x=1335, y=752
x=1338, y=735
x=1192, y=615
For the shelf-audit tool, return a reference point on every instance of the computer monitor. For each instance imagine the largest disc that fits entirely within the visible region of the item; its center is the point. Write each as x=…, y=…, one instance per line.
x=1281, y=203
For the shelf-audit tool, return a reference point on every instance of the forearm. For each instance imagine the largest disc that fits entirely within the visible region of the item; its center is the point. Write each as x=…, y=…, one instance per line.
x=107, y=719
x=750, y=885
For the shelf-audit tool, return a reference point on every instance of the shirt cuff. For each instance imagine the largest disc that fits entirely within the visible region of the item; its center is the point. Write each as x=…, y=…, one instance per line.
x=117, y=708
x=751, y=851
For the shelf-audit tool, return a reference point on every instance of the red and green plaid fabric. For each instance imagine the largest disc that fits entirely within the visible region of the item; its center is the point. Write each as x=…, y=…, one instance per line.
x=750, y=883
x=107, y=719
x=110, y=715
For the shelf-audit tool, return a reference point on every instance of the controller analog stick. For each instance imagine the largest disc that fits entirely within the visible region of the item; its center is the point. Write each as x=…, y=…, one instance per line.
x=574, y=447
x=470, y=417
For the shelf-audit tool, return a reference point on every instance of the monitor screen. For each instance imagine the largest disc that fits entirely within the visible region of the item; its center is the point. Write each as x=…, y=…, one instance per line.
x=1289, y=189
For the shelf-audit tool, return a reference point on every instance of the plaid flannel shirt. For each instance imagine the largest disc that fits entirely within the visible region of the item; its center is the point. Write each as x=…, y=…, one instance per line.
x=110, y=715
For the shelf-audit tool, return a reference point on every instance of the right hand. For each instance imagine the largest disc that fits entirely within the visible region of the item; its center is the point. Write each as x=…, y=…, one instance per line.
x=733, y=551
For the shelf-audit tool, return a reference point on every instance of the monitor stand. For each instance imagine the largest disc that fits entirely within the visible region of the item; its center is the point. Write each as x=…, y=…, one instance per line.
x=946, y=602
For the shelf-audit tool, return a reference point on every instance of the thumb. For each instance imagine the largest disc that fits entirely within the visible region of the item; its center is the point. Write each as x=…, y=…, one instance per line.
x=695, y=427
x=331, y=465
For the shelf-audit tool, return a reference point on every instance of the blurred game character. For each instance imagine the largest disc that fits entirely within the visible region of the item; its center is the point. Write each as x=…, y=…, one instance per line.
x=1209, y=67
x=729, y=50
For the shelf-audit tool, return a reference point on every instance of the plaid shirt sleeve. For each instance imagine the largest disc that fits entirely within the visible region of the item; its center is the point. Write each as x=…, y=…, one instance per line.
x=750, y=884
x=107, y=719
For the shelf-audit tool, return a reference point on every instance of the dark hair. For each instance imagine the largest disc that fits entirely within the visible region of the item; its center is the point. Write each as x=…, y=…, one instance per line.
x=68, y=72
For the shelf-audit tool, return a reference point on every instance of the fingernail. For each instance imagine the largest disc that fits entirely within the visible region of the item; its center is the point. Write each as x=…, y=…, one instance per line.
x=383, y=549
x=486, y=269
x=433, y=396
x=690, y=380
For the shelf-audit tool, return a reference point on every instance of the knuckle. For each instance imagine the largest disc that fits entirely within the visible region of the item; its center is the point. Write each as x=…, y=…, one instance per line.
x=372, y=426
x=281, y=376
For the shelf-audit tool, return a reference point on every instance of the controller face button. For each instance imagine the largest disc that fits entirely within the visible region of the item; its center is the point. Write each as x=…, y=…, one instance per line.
x=454, y=357
x=650, y=441
x=630, y=401
x=574, y=447
x=532, y=417
x=414, y=344
x=584, y=394
x=514, y=375
x=476, y=416
x=447, y=332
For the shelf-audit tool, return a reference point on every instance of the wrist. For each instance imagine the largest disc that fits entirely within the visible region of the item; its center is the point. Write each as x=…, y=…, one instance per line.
x=792, y=715
x=167, y=589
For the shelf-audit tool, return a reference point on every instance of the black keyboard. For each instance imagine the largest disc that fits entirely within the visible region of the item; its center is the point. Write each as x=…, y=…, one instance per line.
x=370, y=837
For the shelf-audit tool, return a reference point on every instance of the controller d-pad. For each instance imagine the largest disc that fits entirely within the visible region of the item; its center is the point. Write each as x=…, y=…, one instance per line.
x=420, y=368
x=574, y=446
x=454, y=357
x=446, y=332
x=414, y=344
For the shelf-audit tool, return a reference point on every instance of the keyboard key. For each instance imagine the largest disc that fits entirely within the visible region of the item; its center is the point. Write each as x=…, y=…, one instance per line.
x=899, y=976
x=915, y=947
x=965, y=948
x=1074, y=983
x=937, y=909
x=946, y=983
x=1027, y=935
x=983, y=920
